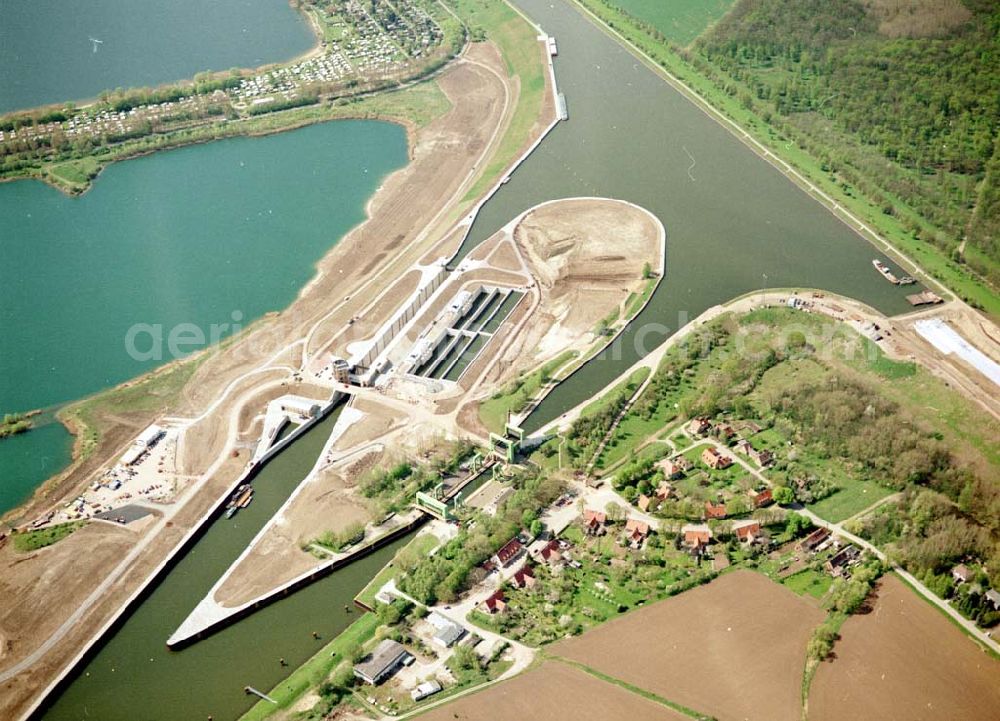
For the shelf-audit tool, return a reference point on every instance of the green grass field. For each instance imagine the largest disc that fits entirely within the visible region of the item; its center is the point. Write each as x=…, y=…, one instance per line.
x=680, y=21
x=522, y=52
x=151, y=392
x=854, y=496
x=33, y=540
x=516, y=395
x=76, y=172
x=810, y=581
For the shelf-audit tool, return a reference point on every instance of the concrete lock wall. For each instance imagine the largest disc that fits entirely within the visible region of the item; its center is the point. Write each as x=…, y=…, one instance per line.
x=401, y=319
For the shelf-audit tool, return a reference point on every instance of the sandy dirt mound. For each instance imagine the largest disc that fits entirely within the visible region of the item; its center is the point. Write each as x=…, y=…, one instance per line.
x=588, y=255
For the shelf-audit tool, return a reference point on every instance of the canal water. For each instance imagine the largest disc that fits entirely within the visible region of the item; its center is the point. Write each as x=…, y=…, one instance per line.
x=216, y=234
x=134, y=676
x=734, y=223
x=48, y=55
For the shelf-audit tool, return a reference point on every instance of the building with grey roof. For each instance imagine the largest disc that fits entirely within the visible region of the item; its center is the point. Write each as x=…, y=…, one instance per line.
x=382, y=663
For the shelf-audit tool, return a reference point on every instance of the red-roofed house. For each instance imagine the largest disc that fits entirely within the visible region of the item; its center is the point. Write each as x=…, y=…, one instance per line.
x=494, y=603
x=762, y=457
x=724, y=432
x=715, y=460
x=550, y=554
x=636, y=531
x=643, y=502
x=759, y=499
x=713, y=510
x=510, y=552
x=810, y=542
x=747, y=531
x=696, y=535
x=524, y=578
x=594, y=522
x=664, y=490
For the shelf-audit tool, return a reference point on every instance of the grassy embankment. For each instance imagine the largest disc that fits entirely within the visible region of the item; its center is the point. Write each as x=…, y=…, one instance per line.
x=516, y=395
x=680, y=21
x=414, y=106
x=14, y=423
x=313, y=671
x=33, y=540
x=705, y=92
x=522, y=53
x=420, y=546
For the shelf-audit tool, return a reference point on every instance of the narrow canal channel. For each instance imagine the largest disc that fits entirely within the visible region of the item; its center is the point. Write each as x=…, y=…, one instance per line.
x=734, y=223
x=134, y=676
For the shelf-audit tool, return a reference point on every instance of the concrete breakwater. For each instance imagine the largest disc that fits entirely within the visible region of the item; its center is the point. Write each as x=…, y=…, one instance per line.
x=200, y=628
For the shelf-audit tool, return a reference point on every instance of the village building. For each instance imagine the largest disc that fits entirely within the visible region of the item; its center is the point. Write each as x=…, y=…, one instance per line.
x=524, y=578
x=494, y=603
x=664, y=491
x=425, y=689
x=962, y=573
x=673, y=468
x=636, y=532
x=762, y=457
x=643, y=502
x=747, y=531
x=839, y=563
x=550, y=554
x=696, y=535
x=759, y=499
x=714, y=510
x=715, y=460
x=814, y=539
x=594, y=522
x=699, y=426
x=993, y=596
x=724, y=432
x=508, y=555
x=382, y=663
x=448, y=632
x=743, y=446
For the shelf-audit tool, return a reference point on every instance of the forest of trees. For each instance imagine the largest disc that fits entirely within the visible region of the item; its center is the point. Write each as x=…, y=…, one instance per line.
x=920, y=85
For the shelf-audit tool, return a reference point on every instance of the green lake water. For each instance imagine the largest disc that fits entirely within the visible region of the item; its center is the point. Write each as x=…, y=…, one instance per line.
x=200, y=235
x=47, y=55
x=134, y=676
x=731, y=218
